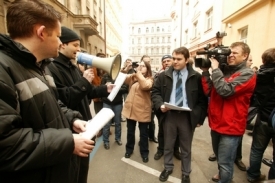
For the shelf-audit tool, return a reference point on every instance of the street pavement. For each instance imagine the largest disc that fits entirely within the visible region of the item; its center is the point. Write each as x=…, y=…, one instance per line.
x=110, y=166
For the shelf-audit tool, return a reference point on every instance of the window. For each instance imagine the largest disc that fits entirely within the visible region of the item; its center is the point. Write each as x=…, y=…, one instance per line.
x=147, y=30
x=133, y=51
x=168, y=39
x=243, y=33
x=152, y=40
x=152, y=50
x=186, y=36
x=168, y=50
x=146, y=51
x=157, y=51
x=139, y=30
x=208, y=21
x=133, y=30
x=195, y=29
x=152, y=29
x=163, y=50
x=163, y=40
x=157, y=29
x=139, y=40
x=147, y=40
x=139, y=51
x=133, y=41
x=157, y=39
x=169, y=29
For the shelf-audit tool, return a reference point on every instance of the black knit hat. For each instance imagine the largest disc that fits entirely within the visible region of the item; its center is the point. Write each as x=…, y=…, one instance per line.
x=68, y=35
x=166, y=56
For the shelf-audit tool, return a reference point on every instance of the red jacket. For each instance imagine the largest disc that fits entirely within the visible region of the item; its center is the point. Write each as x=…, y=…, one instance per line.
x=230, y=95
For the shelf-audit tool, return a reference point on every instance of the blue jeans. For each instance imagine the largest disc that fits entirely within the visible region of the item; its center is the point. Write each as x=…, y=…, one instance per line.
x=262, y=133
x=117, y=119
x=225, y=147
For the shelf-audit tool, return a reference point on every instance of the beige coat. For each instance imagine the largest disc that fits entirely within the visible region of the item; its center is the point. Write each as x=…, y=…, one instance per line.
x=138, y=104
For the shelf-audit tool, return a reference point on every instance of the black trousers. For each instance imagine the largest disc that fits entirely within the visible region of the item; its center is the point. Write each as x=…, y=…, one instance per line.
x=143, y=135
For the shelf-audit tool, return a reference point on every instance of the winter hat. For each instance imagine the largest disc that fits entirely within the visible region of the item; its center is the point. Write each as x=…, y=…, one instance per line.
x=166, y=56
x=68, y=35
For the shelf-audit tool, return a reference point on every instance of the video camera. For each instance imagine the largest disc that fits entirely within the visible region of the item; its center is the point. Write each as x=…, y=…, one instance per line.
x=220, y=53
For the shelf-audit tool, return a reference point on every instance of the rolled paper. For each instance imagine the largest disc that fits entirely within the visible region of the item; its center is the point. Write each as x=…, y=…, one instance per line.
x=98, y=122
x=118, y=83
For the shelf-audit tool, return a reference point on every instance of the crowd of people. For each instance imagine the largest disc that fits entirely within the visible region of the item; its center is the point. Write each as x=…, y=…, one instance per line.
x=45, y=98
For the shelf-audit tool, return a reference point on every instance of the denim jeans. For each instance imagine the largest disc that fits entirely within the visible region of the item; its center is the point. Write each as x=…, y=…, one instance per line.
x=117, y=119
x=262, y=133
x=225, y=148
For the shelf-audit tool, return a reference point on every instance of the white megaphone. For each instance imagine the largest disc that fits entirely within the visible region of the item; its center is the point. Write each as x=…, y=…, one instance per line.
x=111, y=65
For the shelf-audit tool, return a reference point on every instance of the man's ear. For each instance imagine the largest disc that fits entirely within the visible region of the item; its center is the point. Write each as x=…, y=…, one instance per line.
x=40, y=31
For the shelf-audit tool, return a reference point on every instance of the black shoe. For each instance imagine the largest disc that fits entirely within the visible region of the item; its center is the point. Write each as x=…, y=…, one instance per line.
x=112, y=124
x=158, y=155
x=127, y=155
x=164, y=175
x=177, y=155
x=106, y=146
x=145, y=159
x=185, y=179
x=267, y=162
x=258, y=179
x=212, y=157
x=154, y=140
x=119, y=142
x=240, y=165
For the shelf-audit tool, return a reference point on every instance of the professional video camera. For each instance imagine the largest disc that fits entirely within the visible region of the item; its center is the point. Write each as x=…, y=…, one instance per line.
x=220, y=53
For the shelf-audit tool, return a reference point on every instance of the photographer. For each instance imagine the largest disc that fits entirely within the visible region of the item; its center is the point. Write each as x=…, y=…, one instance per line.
x=230, y=93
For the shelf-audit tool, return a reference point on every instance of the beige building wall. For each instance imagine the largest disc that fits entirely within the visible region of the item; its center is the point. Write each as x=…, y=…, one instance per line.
x=113, y=27
x=258, y=17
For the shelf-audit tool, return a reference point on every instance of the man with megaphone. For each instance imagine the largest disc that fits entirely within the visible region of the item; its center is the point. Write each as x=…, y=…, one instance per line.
x=74, y=89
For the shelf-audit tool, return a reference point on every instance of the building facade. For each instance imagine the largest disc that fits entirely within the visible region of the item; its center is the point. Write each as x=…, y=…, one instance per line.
x=152, y=38
x=196, y=22
x=113, y=27
x=251, y=21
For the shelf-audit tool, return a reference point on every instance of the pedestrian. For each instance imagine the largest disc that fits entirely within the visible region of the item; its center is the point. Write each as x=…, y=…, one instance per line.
x=264, y=99
x=233, y=85
x=116, y=106
x=166, y=62
x=181, y=86
x=75, y=90
x=137, y=107
x=36, y=139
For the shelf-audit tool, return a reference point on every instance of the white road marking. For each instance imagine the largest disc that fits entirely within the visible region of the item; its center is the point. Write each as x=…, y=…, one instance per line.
x=148, y=169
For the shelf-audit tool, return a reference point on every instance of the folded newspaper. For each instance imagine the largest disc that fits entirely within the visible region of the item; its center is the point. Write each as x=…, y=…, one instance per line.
x=98, y=122
x=174, y=107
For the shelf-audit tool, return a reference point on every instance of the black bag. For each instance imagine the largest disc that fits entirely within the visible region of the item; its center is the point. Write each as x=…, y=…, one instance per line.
x=252, y=116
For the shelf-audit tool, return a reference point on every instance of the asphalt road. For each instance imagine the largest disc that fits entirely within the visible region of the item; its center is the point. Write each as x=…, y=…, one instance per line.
x=110, y=166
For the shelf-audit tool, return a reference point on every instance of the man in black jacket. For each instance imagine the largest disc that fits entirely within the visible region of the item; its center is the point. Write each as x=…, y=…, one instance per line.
x=180, y=85
x=36, y=142
x=74, y=89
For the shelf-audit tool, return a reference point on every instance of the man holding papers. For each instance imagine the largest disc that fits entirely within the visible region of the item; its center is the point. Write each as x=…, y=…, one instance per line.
x=180, y=86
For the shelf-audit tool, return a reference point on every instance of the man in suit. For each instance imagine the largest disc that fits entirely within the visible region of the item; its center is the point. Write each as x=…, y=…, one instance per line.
x=180, y=85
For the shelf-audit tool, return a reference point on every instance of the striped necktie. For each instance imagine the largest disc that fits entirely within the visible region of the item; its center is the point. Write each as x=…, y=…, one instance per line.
x=179, y=93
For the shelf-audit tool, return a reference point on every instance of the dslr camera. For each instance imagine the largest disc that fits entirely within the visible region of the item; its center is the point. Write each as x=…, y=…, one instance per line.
x=135, y=64
x=220, y=53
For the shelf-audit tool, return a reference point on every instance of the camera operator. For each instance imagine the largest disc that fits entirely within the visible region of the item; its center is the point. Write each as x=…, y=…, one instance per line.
x=230, y=93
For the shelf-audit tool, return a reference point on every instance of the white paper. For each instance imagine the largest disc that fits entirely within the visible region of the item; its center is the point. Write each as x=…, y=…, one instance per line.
x=98, y=122
x=174, y=107
x=118, y=83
